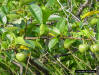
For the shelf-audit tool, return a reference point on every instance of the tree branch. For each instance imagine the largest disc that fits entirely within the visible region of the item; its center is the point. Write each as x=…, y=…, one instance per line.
x=80, y=9
x=46, y=37
x=20, y=66
x=38, y=66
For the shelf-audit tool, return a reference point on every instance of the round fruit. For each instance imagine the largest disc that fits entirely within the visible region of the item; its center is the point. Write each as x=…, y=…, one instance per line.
x=93, y=21
x=20, y=56
x=67, y=46
x=68, y=43
x=94, y=48
x=83, y=48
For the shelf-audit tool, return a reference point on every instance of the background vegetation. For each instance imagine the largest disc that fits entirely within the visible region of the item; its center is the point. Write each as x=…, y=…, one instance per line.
x=48, y=37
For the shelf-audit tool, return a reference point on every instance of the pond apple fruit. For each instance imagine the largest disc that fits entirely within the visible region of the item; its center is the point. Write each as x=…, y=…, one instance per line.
x=83, y=47
x=20, y=56
x=94, y=48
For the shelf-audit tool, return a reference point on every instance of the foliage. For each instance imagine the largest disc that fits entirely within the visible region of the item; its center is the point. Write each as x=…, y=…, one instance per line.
x=50, y=36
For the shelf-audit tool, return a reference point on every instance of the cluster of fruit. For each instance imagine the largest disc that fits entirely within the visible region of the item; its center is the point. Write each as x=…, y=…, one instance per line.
x=84, y=47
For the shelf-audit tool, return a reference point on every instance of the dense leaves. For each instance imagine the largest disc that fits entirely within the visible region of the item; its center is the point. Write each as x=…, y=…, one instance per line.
x=48, y=37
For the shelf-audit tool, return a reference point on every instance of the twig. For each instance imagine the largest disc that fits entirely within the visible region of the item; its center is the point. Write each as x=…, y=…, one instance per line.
x=25, y=29
x=46, y=37
x=38, y=66
x=68, y=12
x=82, y=7
x=20, y=66
x=27, y=63
x=61, y=55
x=80, y=60
x=64, y=11
x=63, y=65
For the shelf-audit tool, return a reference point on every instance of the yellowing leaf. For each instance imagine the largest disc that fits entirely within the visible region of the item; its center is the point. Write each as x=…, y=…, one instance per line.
x=19, y=11
x=23, y=47
x=89, y=14
x=52, y=34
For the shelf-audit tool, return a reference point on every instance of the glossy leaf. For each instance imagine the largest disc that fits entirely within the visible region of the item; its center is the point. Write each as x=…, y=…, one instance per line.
x=37, y=44
x=50, y=3
x=52, y=42
x=54, y=17
x=61, y=25
x=36, y=12
x=31, y=43
x=20, y=40
x=3, y=17
x=97, y=31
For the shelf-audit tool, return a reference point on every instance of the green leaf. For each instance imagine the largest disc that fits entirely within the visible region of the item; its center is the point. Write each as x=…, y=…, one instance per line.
x=54, y=17
x=86, y=32
x=11, y=36
x=50, y=3
x=52, y=42
x=12, y=17
x=55, y=31
x=46, y=14
x=36, y=12
x=20, y=40
x=61, y=25
x=4, y=9
x=3, y=17
x=31, y=43
x=25, y=2
x=4, y=44
x=42, y=29
x=11, y=28
x=97, y=30
x=37, y=44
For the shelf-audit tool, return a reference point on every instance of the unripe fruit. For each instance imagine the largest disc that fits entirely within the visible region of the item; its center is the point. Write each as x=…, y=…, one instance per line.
x=94, y=48
x=68, y=43
x=93, y=21
x=83, y=48
x=20, y=56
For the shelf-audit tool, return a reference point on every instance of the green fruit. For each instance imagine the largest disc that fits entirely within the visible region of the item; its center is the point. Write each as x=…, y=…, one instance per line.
x=93, y=21
x=20, y=56
x=68, y=43
x=94, y=48
x=83, y=48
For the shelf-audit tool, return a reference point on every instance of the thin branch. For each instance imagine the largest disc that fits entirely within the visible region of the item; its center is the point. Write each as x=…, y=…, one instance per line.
x=46, y=37
x=20, y=66
x=68, y=12
x=61, y=55
x=25, y=29
x=27, y=63
x=80, y=9
x=75, y=57
x=38, y=66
